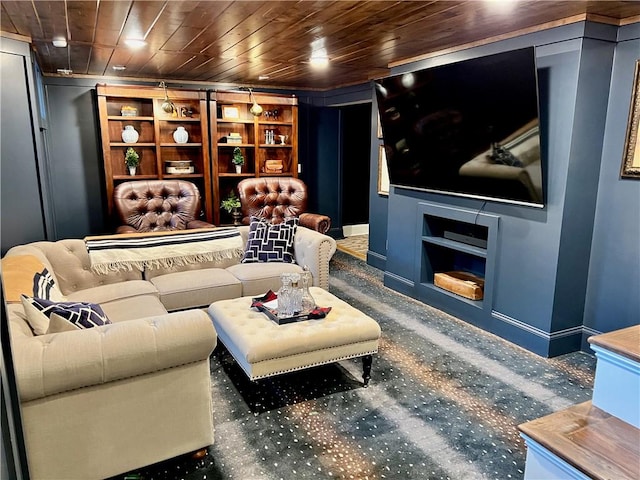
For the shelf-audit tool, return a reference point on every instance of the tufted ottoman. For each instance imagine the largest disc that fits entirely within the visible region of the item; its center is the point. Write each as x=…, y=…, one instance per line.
x=263, y=348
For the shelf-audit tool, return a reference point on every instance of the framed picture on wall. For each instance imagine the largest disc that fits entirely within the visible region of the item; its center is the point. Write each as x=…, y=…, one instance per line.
x=383, y=173
x=631, y=158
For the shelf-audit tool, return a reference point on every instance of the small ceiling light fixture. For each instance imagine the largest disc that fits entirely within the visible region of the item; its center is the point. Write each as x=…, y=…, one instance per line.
x=255, y=109
x=263, y=77
x=59, y=42
x=119, y=68
x=319, y=57
x=135, y=42
x=65, y=71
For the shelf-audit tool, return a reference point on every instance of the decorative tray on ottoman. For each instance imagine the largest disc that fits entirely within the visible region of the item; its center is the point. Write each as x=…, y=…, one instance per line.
x=268, y=304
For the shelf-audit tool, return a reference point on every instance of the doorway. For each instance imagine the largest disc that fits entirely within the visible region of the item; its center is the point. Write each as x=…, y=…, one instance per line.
x=355, y=168
x=355, y=141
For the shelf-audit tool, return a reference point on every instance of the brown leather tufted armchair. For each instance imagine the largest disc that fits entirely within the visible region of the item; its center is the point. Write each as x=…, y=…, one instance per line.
x=157, y=205
x=277, y=198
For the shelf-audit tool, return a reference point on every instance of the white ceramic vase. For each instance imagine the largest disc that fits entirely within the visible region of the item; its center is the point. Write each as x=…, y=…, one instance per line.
x=129, y=134
x=238, y=168
x=181, y=135
x=132, y=171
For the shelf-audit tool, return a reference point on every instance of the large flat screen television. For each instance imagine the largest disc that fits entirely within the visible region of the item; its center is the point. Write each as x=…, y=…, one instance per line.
x=469, y=128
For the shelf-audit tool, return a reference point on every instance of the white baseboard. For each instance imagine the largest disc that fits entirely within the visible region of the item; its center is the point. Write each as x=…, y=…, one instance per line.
x=351, y=230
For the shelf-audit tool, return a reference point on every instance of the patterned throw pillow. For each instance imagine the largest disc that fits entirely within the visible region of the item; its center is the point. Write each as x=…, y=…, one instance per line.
x=43, y=284
x=77, y=315
x=270, y=242
x=26, y=275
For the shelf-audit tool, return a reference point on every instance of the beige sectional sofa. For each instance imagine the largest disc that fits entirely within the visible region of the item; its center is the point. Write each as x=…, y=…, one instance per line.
x=101, y=401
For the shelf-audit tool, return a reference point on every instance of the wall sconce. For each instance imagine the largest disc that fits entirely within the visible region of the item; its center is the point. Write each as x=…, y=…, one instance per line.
x=167, y=105
x=255, y=109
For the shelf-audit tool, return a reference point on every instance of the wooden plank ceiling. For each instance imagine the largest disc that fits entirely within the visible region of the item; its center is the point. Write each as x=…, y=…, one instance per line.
x=236, y=42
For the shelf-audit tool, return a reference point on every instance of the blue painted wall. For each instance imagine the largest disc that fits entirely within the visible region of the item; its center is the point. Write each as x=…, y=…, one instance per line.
x=548, y=283
x=20, y=185
x=378, y=203
x=77, y=186
x=613, y=287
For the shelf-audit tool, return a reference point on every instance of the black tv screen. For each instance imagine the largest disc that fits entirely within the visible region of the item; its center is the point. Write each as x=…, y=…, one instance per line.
x=468, y=128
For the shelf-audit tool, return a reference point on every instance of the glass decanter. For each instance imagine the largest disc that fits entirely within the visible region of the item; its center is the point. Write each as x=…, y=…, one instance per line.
x=285, y=296
x=308, y=302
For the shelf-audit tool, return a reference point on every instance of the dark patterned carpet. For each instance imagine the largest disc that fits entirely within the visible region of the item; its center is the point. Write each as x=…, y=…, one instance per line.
x=444, y=402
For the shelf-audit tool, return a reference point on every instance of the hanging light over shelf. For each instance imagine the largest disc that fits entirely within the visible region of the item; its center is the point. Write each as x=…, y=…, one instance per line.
x=256, y=109
x=167, y=105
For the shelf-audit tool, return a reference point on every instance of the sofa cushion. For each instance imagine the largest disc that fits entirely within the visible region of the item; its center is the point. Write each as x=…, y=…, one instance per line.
x=132, y=308
x=113, y=291
x=270, y=242
x=196, y=288
x=80, y=314
x=27, y=275
x=258, y=278
x=218, y=263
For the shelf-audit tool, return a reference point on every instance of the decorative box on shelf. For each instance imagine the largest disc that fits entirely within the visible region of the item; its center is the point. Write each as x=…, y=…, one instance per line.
x=273, y=166
x=179, y=167
x=461, y=283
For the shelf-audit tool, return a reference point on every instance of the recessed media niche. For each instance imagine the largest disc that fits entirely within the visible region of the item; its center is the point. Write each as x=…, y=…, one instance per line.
x=456, y=239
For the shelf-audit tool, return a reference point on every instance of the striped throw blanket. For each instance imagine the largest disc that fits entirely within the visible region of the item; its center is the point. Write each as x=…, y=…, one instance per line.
x=113, y=253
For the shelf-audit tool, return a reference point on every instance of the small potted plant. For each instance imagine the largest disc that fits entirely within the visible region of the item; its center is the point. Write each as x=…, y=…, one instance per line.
x=232, y=204
x=238, y=159
x=132, y=159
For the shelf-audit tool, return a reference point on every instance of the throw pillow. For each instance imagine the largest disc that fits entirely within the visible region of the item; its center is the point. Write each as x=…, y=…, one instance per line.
x=78, y=315
x=270, y=242
x=27, y=275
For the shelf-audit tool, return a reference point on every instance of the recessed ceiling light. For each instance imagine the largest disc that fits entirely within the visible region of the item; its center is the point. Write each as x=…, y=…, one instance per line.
x=65, y=71
x=319, y=58
x=134, y=42
x=263, y=77
x=119, y=68
x=59, y=42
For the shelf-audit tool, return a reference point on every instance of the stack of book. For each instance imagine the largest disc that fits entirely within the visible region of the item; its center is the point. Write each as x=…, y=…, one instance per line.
x=179, y=167
x=234, y=138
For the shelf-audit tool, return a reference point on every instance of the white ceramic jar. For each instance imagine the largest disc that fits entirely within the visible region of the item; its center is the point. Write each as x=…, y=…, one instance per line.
x=181, y=135
x=129, y=134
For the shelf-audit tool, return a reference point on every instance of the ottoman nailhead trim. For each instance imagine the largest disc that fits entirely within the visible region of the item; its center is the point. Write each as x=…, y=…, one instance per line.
x=315, y=364
x=316, y=350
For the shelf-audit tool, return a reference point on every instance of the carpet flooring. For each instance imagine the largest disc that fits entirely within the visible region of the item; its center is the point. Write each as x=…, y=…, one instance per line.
x=355, y=245
x=444, y=402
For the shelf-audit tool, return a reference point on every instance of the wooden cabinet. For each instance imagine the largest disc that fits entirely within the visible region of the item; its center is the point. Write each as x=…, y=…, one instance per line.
x=141, y=107
x=269, y=141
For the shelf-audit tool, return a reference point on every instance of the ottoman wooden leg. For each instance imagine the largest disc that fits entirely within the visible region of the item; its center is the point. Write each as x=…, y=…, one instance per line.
x=198, y=454
x=366, y=369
